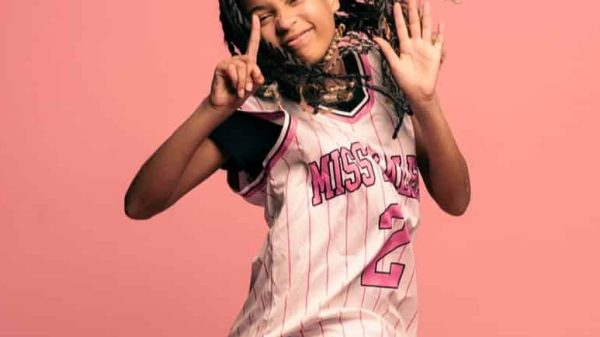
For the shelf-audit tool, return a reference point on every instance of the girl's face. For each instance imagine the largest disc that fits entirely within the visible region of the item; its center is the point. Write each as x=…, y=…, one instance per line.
x=303, y=27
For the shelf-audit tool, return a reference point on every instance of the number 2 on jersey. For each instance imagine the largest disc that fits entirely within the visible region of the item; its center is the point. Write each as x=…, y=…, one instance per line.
x=370, y=276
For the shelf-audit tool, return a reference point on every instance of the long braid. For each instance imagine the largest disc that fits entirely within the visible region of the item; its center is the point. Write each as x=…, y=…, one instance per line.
x=286, y=75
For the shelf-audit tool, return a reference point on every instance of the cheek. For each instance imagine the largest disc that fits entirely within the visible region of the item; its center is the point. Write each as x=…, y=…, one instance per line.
x=267, y=33
x=323, y=19
x=327, y=30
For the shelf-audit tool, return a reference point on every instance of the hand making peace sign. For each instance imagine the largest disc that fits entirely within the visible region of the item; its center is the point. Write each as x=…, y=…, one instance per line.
x=237, y=77
x=416, y=68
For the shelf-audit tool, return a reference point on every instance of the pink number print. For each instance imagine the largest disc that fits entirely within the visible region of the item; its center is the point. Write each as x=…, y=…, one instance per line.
x=370, y=276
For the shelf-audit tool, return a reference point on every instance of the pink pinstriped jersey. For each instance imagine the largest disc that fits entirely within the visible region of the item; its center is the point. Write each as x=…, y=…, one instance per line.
x=341, y=200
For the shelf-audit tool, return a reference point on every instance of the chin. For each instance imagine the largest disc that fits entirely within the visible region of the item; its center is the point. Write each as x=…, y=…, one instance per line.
x=312, y=59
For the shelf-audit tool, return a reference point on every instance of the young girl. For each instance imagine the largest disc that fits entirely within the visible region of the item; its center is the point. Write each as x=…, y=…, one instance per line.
x=308, y=117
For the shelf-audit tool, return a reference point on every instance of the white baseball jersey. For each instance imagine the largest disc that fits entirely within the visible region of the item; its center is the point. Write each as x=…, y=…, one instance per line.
x=341, y=200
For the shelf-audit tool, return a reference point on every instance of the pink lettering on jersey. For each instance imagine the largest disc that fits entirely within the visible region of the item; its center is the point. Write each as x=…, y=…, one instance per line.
x=360, y=153
x=413, y=183
x=321, y=179
x=353, y=177
x=349, y=169
x=345, y=170
x=370, y=276
x=409, y=186
x=391, y=168
x=337, y=172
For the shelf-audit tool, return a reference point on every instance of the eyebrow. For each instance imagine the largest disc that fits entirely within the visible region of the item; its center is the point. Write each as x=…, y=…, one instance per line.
x=255, y=8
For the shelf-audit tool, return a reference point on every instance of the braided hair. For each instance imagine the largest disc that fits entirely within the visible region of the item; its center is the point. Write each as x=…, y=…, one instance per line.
x=287, y=75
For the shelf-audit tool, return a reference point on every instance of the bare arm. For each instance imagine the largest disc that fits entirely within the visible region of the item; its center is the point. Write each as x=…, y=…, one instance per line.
x=443, y=167
x=183, y=161
x=415, y=68
x=188, y=157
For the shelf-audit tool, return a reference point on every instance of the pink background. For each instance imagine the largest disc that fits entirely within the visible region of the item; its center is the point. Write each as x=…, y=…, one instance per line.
x=88, y=90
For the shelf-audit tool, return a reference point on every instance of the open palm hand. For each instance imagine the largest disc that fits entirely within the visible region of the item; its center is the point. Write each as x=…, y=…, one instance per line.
x=416, y=68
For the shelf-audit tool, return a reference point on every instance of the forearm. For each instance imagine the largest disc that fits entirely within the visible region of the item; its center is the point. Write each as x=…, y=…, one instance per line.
x=157, y=178
x=448, y=171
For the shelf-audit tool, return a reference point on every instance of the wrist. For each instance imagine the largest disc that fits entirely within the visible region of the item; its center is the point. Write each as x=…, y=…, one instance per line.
x=422, y=98
x=424, y=103
x=426, y=109
x=216, y=111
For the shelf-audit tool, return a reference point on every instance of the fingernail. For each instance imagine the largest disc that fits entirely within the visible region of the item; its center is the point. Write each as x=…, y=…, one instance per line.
x=241, y=93
x=248, y=86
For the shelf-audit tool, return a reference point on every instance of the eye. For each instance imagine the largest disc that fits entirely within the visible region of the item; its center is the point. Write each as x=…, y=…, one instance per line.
x=264, y=17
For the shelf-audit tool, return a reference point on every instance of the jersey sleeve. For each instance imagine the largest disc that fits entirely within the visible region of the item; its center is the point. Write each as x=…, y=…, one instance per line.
x=246, y=139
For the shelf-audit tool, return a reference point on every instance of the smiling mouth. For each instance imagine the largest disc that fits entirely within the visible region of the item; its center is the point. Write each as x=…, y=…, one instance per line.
x=297, y=41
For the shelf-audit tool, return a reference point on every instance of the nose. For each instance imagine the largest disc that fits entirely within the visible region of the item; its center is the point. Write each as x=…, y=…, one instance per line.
x=286, y=19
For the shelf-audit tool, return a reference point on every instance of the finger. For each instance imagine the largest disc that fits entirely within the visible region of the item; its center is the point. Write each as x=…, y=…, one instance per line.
x=232, y=73
x=439, y=40
x=443, y=57
x=414, y=19
x=241, y=73
x=387, y=50
x=257, y=76
x=401, y=29
x=254, y=41
x=426, y=21
x=249, y=81
x=244, y=63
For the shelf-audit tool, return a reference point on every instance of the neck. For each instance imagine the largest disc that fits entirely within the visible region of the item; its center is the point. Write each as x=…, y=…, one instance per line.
x=337, y=69
x=335, y=65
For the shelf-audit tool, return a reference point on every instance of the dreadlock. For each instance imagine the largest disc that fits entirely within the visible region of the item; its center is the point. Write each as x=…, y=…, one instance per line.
x=287, y=75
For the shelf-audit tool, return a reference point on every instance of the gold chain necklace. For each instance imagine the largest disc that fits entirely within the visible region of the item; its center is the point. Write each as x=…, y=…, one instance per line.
x=329, y=61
